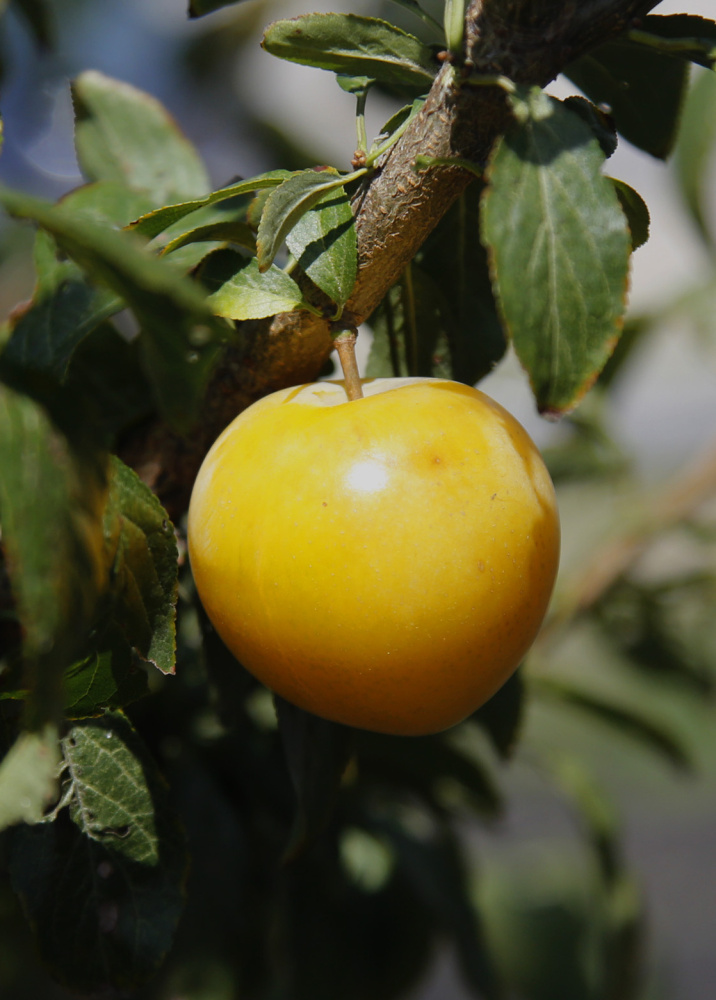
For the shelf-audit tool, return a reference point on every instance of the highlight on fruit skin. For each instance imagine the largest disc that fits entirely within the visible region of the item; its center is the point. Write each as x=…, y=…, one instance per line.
x=384, y=562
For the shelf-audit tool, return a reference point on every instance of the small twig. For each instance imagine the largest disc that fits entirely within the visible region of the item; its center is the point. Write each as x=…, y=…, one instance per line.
x=345, y=343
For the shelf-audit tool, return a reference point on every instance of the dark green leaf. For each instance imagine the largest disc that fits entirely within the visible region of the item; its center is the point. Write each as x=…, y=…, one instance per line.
x=643, y=89
x=65, y=307
x=51, y=497
x=121, y=133
x=106, y=372
x=636, y=212
x=113, y=864
x=29, y=777
x=354, y=45
x=559, y=249
x=410, y=329
x=457, y=262
x=317, y=753
x=287, y=204
x=46, y=335
x=197, y=8
x=599, y=122
x=422, y=765
x=181, y=336
x=37, y=14
x=437, y=872
x=109, y=677
x=501, y=716
x=249, y=294
x=143, y=558
x=323, y=241
x=156, y=222
x=696, y=144
x=686, y=35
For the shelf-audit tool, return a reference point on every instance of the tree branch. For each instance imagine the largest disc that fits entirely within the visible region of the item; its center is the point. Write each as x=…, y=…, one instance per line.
x=529, y=41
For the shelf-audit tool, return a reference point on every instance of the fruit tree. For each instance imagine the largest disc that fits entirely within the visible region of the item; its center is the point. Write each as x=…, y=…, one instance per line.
x=277, y=641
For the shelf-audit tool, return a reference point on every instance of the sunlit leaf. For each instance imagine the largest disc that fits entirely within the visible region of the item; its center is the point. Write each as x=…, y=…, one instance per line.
x=29, y=777
x=153, y=223
x=354, y=45
x=249, y=294
x=323, y=242
x=285, y=206
x=122, y=133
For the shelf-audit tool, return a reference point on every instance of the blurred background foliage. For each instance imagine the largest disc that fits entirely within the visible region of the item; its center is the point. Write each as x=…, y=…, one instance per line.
x=557, y=845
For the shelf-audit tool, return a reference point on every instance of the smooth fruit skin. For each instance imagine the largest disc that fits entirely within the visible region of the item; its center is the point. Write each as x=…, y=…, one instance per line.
x=384, y=563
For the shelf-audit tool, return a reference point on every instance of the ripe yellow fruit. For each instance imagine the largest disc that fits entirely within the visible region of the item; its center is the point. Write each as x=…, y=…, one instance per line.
x=384, y=562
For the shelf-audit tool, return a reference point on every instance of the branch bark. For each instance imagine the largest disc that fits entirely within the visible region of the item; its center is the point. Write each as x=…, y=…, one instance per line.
x=529, y=41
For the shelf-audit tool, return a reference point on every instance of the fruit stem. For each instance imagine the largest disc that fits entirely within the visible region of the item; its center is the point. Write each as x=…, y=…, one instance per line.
x=345, y=343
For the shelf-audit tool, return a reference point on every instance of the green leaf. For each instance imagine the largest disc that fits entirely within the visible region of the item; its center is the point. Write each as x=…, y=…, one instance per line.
x=37, y=15
x=46, y=335
x=355, y=46
x=113, y=864
x=599, y=122
x=642, y=87
x=697, y=138
x=51, y=497
x=437, y=872
x=66, y=307
x=323, y=241
x=317, y=753
x=559, y=249
x=287, y=204
x=685, y=35
x=198, y=8
x=624, y=701
x=229, y=231
x=143, y=558
x=457, y=262
x=636, y=212
x=153, y=223
x=181, y=336
x=249, y=294
x=423, y=765
x=106, y=372
x=410, y=329
x=29, y=777
x=109, y=677
x=121, y=133
x=501, y=716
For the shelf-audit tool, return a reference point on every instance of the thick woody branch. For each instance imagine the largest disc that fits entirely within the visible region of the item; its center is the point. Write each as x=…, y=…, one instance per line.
x=529, y=41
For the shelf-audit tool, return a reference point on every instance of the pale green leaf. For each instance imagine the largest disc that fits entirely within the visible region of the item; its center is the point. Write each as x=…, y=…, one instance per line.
x=28, y=777
x=251, y=294
x=122, y=133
